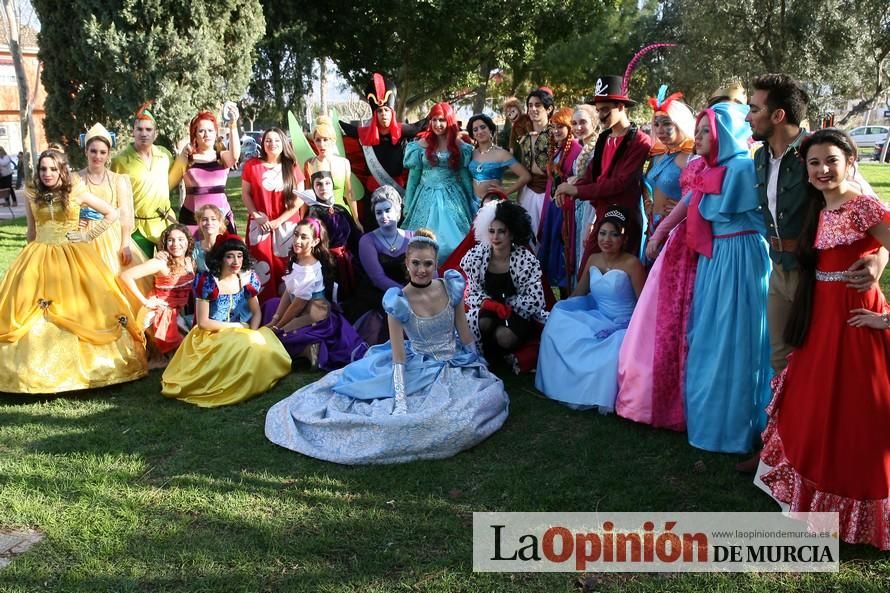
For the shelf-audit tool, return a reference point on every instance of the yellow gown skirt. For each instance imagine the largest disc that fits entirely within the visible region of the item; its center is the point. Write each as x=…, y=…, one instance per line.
x=225, y=367
x=64, y=323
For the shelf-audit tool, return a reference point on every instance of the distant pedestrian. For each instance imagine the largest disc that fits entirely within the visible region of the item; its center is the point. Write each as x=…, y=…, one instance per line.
x=6, y=168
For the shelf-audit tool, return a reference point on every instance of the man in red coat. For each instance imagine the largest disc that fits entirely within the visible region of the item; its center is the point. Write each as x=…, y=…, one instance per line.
x=615, y=172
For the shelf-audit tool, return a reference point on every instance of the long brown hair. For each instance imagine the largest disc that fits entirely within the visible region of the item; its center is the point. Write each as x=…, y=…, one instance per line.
x=189, y=247
x=288, y=161
x=62, y=191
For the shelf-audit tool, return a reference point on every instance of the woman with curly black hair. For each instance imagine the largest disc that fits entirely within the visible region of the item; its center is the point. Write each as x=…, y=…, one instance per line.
x=504, y=290
x=227, y=330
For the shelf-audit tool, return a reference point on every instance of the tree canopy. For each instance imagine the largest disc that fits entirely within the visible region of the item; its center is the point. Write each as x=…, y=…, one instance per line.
x=103, y=58
x=839, y=48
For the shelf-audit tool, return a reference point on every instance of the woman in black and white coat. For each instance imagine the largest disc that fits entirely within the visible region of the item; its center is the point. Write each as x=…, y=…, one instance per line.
x=504, y=290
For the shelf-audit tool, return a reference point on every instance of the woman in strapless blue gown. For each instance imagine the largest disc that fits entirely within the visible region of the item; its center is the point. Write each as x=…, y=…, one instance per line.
x=427, y=397
x=578, y=358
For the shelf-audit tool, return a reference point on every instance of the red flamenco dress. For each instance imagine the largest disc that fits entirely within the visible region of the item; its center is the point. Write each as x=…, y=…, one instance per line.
x=827, y=443
x=174, y=289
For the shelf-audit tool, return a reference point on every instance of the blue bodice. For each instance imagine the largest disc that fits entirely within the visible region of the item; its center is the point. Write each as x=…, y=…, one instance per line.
x=227, y=307
x=434, y=336
x=613, y=293
x=664, y=175
x=491, y=170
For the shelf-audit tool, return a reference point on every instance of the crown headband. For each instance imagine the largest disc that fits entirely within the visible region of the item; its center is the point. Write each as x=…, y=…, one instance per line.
x=98, y=131
x=618, y=214
x=426, y=240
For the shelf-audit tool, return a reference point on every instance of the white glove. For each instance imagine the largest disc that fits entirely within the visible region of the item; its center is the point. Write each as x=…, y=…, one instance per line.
x=400, y=407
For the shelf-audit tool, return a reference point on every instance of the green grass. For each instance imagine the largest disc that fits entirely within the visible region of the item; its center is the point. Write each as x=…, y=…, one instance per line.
x=138, y=493
x=878, y=175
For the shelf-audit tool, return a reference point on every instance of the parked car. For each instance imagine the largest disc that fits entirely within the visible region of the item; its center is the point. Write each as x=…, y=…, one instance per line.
x=877, y=154
x=867, y=136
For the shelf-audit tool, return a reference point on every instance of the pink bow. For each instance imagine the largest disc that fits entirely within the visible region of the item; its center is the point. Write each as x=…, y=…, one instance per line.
x=699, y=234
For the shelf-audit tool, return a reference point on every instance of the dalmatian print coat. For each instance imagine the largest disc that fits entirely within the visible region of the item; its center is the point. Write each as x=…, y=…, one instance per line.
x=525, y=270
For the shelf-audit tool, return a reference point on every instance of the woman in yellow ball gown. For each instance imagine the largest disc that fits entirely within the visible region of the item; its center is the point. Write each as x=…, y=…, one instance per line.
x=64, y=322
x=115, y=246
x=226, y=358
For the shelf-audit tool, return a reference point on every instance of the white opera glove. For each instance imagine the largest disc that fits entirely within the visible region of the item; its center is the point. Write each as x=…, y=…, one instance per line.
x=400, y=407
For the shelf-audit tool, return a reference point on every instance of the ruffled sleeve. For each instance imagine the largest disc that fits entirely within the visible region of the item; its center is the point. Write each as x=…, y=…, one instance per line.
x=454, y=286
x=78, y=189
x=205, y=287
x=395, y=304
x=253, y=286
x=413, y=162
x=303, y=281
x=866, y=212
x=466, y=154
x=413, y=156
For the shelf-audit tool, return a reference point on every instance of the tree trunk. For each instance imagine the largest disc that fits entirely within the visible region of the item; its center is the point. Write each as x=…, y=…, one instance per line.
x=482, y=89
x=10, y=16
x=861, y=107
x=322, y=85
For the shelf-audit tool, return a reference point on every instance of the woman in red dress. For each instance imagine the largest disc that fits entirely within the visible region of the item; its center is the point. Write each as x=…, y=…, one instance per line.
x=827, y=443
x=268, y=184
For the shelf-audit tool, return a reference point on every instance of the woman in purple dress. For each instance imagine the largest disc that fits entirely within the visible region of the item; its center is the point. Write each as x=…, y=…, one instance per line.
x=304, y=319
x=382, y=256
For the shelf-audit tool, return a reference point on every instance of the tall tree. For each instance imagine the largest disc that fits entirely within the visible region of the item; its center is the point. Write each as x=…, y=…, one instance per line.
x=283, y=68
x=839, y=48
x=12, y=22
x=103, y=58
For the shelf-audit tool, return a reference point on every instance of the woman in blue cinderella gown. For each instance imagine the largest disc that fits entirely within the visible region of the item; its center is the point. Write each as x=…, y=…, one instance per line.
x=439, y=192
x=428, y=397
x=578, y=359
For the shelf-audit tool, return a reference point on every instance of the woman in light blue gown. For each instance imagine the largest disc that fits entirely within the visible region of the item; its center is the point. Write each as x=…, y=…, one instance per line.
x=427, y=397
x=578, y=358
x=439, y=192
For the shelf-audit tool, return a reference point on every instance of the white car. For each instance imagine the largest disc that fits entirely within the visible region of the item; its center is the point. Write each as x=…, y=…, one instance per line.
x=868, y=136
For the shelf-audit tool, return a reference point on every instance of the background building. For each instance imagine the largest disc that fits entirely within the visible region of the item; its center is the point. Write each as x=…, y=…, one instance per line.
x=10, y=120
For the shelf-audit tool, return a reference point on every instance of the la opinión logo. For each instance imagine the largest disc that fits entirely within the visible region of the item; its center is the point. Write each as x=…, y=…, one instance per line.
x=558, y=544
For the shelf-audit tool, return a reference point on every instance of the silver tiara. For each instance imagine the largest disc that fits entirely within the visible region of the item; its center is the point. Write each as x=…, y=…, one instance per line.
x=422, y=239
x=616, y=214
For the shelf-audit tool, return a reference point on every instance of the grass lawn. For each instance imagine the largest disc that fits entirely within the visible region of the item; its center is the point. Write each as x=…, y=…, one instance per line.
x=138, y=493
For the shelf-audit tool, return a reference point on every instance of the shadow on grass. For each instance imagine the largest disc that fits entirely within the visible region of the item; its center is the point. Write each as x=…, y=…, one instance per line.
x=140, y=493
